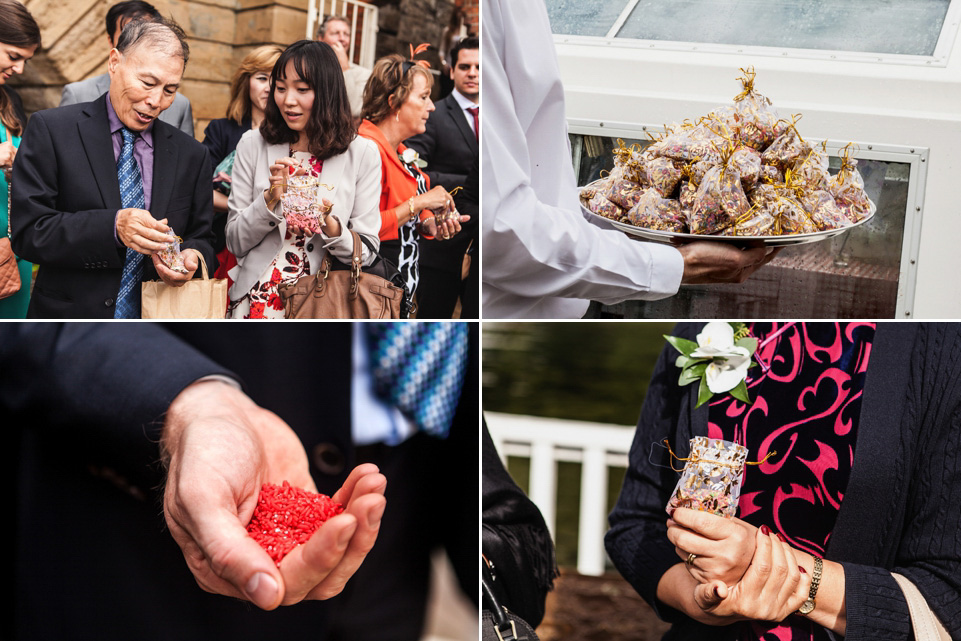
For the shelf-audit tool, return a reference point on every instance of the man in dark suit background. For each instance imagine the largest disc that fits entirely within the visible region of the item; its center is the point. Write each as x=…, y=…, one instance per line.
x=70, y=216
x=180, y=114
x=450, y=148
x=87, y=405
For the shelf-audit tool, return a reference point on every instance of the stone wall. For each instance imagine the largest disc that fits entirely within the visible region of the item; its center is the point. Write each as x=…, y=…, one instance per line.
x=220, y=34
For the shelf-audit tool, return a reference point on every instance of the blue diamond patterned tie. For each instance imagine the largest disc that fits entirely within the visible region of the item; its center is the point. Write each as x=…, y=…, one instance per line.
x=420, y=369
x=131, y=195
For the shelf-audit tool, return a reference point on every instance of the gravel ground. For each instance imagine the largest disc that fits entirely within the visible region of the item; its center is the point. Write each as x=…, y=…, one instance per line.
x=605, y=608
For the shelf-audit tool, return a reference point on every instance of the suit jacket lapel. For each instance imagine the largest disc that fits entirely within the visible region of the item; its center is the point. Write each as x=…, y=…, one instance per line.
x=95, y=136
x=164, y=169
x=460, y=121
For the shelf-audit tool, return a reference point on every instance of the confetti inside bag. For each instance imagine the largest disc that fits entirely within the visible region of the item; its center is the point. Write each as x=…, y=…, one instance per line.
x=746, y=161
x=171, y=256
x=847, y=187
x=655, y=212
x=603, y=207
x=711, y=479
x=757, y=118
x=663, y=175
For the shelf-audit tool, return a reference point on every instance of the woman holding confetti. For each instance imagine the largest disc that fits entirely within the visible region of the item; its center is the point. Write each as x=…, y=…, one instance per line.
x=307, y=162
x=854, y=432
x=397, y=105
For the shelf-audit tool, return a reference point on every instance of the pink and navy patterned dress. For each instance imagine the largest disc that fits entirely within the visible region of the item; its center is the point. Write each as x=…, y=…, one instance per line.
x=806, y=396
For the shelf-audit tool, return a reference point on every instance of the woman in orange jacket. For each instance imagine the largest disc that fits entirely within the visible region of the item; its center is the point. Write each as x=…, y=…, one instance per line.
x=396, y=106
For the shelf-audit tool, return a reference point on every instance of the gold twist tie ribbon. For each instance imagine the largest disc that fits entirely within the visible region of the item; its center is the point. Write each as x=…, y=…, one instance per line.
x=285, y=184
x=846, y=165
x=747, y=81
x=694, y=459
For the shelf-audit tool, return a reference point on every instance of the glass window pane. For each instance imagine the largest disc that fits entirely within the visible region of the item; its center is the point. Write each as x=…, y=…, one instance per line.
x=854, y=275
x=584, y=17
x=869, y=26
x=909, y=28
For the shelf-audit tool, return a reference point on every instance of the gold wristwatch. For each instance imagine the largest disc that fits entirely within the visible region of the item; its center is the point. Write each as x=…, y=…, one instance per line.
x=808, y=606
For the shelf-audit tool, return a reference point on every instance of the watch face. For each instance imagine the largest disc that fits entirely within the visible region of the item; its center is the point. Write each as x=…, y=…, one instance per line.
x=807, y=607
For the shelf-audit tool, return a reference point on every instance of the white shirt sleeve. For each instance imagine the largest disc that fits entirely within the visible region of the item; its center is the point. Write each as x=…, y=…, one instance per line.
x=538, y=248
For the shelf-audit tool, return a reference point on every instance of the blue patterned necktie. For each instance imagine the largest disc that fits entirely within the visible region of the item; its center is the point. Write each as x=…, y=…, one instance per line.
x=131, y=195
x=419, y=368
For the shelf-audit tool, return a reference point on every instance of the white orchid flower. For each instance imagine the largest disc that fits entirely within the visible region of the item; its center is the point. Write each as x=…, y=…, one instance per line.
x=729, y=362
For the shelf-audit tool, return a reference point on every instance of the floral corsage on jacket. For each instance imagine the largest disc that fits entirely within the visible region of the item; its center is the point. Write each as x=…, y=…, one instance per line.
x=719, y=360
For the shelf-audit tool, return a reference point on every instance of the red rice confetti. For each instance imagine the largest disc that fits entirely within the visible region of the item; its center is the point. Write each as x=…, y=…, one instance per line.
x=287, y=516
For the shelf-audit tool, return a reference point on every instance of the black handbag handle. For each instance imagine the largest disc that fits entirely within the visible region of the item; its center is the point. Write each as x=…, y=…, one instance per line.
x=503, y=626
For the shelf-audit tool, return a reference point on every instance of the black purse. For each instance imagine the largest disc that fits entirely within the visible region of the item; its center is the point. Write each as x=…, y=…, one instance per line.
x=497, y=622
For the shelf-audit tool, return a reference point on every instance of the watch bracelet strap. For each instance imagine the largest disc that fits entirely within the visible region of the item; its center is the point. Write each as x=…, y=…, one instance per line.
x=816, y=577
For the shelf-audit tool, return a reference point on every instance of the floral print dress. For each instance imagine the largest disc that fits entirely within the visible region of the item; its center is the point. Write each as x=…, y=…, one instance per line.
x=291, y=262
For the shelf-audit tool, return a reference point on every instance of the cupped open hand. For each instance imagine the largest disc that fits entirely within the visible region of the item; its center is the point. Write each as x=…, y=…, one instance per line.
x=220, y=448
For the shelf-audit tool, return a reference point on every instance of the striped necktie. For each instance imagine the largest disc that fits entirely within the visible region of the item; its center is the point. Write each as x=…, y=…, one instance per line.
x=419, y=368
x=131, y=195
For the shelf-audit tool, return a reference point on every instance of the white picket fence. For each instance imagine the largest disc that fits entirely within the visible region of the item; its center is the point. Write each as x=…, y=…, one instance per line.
x=363, y=39
x=545, y=441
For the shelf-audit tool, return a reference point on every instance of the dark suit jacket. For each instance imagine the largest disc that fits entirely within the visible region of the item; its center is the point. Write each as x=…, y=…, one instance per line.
x=93, y=556
x=900, y=509
x=450, y=149
x=66, y=197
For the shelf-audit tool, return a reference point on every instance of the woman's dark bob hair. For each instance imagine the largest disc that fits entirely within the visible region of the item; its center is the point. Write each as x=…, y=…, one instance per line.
x=330, y=127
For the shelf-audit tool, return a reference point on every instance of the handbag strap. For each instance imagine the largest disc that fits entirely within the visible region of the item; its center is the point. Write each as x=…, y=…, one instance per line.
x=8, y=174
x=504, y=627
x=923, y=620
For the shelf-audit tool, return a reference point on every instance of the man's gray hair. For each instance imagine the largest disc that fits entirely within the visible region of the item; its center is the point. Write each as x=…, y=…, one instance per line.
x=161, y=33
x=322, y=29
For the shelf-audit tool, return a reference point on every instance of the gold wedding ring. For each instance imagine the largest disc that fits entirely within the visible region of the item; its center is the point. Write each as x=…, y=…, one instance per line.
x=690, y=559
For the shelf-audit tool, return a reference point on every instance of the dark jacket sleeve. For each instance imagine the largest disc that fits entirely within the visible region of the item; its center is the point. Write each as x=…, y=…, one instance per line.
x=102, y=386
x=199, y=233
x=637, y=541
x=928, y=547
x=42, y=232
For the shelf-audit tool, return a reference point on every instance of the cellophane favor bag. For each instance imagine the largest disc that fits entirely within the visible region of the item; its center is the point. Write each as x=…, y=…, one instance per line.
x=711, y=479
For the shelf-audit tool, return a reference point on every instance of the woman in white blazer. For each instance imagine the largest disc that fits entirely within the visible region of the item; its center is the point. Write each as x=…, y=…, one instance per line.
x=307, y=124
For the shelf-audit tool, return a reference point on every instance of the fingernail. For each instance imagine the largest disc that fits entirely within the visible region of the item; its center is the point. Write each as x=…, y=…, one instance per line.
x=765, y=530
x=716, y=592
x=262, y=589
x=780, y=538
x=802, y=570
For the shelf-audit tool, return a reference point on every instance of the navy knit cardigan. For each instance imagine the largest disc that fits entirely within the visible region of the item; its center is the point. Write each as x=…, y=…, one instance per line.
x=902, y=510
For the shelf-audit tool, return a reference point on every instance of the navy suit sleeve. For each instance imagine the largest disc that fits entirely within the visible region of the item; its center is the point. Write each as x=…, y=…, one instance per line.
x=199, y=232
x=107, y=386
x=42, y=232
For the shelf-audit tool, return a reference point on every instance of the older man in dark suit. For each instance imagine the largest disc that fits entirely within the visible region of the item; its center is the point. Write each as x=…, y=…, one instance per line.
x=450, y=148
x=99, y=184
